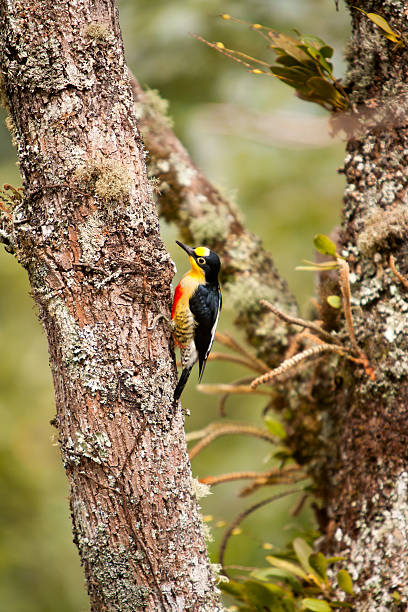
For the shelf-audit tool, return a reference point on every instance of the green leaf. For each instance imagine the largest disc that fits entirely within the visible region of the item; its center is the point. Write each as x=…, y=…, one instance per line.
x=284, y=44
x=318, y=562
x=324, y=265
x=334, y=301
x=275, y=427
x=293, y=75
x=303, y=552
x=316, y=605
x=269, y=596
x=326, y=51
x=312, y=41
x=324, y=90
x=288, y=566
x=269, y=573
x=331, y=560
x=287, y=60
x=324, y=245
x=345, y=582
x=310, y=50
x=232, y=588
x=393, y=38
x=381, y=23
x=318, y=58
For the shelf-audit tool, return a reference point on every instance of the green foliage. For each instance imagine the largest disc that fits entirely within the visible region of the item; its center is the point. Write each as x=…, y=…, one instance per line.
x=316, y=605
x=302, y=63
x=275, y=427
x=345, y=582
x=319, y=564
x=334, y=301
x=324, y=245
x=260, y=596
x=383, y=24
x=297, y=580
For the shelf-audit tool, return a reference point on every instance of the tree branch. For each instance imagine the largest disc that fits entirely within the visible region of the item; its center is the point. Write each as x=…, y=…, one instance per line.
x=204, y=215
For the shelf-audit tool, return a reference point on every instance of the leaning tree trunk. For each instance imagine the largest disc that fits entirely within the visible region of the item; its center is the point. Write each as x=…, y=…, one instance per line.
x=87, y=233
x=366, y=483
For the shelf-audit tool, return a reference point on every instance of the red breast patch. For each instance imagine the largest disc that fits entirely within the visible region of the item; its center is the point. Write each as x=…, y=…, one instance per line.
x=177, y=296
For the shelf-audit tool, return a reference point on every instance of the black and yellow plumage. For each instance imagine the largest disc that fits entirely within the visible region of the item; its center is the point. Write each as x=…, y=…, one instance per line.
x=196, y=308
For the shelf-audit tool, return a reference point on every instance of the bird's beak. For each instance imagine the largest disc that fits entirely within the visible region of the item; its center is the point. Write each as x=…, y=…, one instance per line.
x=187, y=249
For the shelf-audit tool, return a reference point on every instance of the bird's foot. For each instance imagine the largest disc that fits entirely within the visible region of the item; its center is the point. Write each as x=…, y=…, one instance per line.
x=157, y=318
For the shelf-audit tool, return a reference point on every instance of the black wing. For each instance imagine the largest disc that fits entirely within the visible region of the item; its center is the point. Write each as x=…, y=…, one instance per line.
x=205, y=304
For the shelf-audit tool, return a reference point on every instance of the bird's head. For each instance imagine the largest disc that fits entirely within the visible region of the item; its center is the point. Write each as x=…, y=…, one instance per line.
x=203, y=261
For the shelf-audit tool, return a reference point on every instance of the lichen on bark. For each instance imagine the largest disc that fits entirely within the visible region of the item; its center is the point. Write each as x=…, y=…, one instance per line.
x=87, y=233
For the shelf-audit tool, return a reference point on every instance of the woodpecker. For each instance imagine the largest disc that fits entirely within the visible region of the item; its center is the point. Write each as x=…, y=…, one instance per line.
x=196, y=308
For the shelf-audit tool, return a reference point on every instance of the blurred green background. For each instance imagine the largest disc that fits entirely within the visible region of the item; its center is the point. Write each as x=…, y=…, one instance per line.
x=271, y=152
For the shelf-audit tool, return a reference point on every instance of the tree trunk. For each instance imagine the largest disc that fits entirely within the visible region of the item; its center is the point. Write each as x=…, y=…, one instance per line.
x=365, y=484
x=88, y=235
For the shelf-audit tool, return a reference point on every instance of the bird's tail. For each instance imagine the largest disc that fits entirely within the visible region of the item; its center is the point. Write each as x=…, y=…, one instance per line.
x=182, y=383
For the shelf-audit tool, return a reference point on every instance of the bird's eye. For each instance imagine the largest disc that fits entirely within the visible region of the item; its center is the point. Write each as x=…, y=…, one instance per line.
x=201, y=260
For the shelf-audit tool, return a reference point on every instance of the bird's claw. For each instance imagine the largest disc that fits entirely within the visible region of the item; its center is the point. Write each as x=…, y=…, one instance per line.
x=157, y=318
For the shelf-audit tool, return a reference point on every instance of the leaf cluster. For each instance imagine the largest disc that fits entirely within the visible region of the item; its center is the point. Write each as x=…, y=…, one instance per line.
x=303, y=63
x=298, y=579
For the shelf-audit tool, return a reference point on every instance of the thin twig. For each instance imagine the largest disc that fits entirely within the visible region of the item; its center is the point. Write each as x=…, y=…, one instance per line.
x=214, y=356
x=298, y=321
x=401, y=278
x=227, y=340
x=275, y=476
x=297, y=508
x=344, y=282
x=211, y=433
x=221, y=478
x=225, y=388
x=289, y=364
x=232, y=54
x=241, y=517
x=291, y=478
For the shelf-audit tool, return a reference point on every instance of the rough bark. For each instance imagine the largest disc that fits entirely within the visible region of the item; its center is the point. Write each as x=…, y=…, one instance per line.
x=351, y=432
x=365, y=482
x=88, y=235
